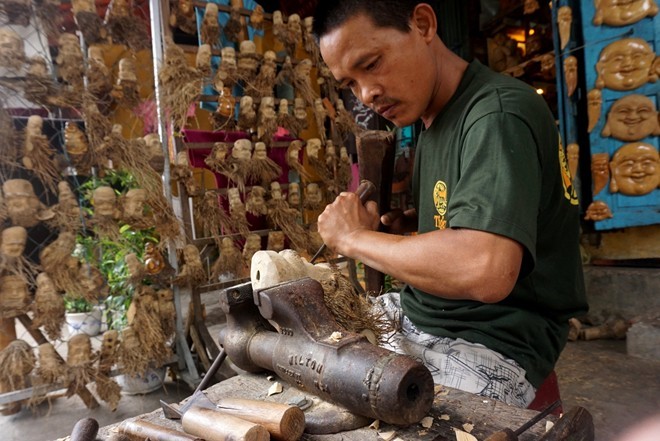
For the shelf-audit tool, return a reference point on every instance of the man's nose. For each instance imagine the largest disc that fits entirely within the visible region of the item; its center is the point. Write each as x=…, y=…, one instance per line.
x=369, y=93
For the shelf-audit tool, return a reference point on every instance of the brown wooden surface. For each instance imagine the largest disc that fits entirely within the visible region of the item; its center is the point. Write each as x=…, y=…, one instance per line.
x=456, y=407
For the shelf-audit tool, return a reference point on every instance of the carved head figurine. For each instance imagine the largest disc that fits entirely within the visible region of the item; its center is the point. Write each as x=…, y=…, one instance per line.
x=293, y=24
x=191, y=255
x=247, y=50
x=186, y=7
x=134, y=203
x=211, y=13
x=252, y=245
x=277, y=18
x=313, y=148
x=104, y=201
x=343, y=156
x=234, y=198
x=260, y=151
x=14, y=293
x=570, y=74
x=22, y=204
x=34, y=125
x=330, y=152
x=228, y=55
x=203, y=58
x=127, y=70
x=600, y=171
x=283, y=108
x=564, y=21
x=275, y=191
x=294, y=150
x=621, y=13
x=293, y=196
x=572, y=156
x=242, y=149
x=299, y=108
x=155, y=152
x=95, y=54
x=256, y=202
x=246, y=105
x=313, y=195
x=635, y=169
x=119, y=8
x=308, y=24
x=275, y=241
x=13, y=242
x=597, y=211
x=12, y=51
x=632, y=118
x=304, y=67
x=625, y=65
x=594, y=104
x=153, y=259
x=267, y=107
x=75, y=140
x=257, y=17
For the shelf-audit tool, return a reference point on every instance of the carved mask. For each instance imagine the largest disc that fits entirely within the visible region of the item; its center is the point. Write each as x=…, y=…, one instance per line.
x=293, y=196
x=313, y=147
x=104, y=200
x=283, y=108
x=275, y=191
x=242, y=149
x=260, y=151
x=21, y=202
x=625, y=64
x=257, y=17
x=313, y=194
x=246, y=105
x=134, y=203
x=597, y=211
x=203, y=58
x=623, y=12
x=299, y=108
x=275, y=240
x=570, y=73
x=635, y=169
x=594, y=104
x=600, y=171
x=632, y=118
x=13, y=241
x=564, y=20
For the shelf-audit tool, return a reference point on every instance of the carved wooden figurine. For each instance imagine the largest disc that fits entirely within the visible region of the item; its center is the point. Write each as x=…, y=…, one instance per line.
x=600, y=171
x=564, y=21
x=635, y=169
x=632, y=118
x=618, y=13
x=594, y=105
x=597, y=211
x=570, y=74
x=625, y=65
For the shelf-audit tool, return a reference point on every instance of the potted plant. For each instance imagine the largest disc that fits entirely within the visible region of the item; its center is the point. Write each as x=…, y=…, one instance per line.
x=82, y=316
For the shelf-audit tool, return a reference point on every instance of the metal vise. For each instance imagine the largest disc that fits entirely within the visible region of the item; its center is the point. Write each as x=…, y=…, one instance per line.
x=288, y=329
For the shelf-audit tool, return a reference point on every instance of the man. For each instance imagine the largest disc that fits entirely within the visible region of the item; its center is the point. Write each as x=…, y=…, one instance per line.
x=495, y=271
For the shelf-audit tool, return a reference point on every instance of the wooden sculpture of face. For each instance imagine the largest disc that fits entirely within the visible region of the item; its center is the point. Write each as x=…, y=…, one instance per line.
x=257, y=17
x=283, y=108
x=623, y=12
x=155, y=151
x=252, y=244
x=625, y=64
x=294, y=150
x=632, y=118
x=227, y=245
x=260, y=151
x=191, y=255
x=104, y=200
x=38, y=67
x=570, y=74
x=13, y=242
x=600, y=171
x=635, y=169
x=256, y=197
x=78, y=6
x=594, y=104
x=294, y=194
x=313, y=147
x=248, y=55
x=245, y=107
x=234, y=198
x=275, y=191
x=299, y=109
x=134, y=203
x=203, y=58
x=228, y=55
x=275, y=240
x=21, y=202
x=313, y=193
x=564, y=21
x=242, y=149
x=267, y=107
x=597, y=211
x=13, y=287
x=11, y=46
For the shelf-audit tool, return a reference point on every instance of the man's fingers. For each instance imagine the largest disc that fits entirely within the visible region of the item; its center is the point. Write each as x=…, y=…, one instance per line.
x=388, y=218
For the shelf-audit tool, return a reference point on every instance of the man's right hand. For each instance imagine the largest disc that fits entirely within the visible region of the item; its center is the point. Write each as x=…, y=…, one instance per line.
x=399, y=221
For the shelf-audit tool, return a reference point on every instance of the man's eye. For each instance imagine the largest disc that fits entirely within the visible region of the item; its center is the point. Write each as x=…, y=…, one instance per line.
x=373, y=64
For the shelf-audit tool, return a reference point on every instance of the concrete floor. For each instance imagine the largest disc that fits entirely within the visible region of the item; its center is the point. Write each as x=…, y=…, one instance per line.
x=618, y=390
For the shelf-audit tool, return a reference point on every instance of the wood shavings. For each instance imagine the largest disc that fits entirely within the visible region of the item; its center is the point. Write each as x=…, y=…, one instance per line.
x=336, y=336
x=270, y=378
x=426, y=422
x=549, y=425
x=464, y=436
x=444, y=417
x=276, y=388
x=375, y=425
x=468, y=427
x=387, y=436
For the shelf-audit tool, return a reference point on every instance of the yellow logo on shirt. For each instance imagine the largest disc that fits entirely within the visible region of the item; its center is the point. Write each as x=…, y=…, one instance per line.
x=440, y=201
x=567, y=181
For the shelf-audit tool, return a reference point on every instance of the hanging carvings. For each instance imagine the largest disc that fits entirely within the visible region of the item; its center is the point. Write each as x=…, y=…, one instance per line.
x=573, y=155
x=594, y=104
x=564, y=21
x=625, y=65
x=621, y=13
x=600, y=171
x=635, y=169
x=597, y=211
x=632, y=118
x=570, y=74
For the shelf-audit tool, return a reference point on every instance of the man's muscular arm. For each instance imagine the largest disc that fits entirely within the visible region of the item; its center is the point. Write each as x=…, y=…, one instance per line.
x=451, y=263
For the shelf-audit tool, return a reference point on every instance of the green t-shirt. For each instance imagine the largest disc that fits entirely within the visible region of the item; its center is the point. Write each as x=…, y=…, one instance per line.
x=492, y=161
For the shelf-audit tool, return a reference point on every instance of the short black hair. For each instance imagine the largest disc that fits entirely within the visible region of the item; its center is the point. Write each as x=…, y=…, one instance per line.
x=396, y=14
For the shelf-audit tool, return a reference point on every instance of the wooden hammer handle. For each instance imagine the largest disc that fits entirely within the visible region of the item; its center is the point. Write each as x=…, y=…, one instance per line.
x=216, y=426
x=283, y=422
x=140, y=430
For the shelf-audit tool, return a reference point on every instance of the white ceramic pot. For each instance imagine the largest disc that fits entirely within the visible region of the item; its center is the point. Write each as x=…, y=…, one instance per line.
x=84, y=322
x=142, y=384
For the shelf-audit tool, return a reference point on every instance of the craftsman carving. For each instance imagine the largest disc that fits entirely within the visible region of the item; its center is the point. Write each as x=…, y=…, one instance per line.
x=632, y=118
x=594, y=105
x=623, y=12
x=600, y=171
x=597, y=211
x=635, y=169
x=625, y=65
x=570, y=74
x=564, y=21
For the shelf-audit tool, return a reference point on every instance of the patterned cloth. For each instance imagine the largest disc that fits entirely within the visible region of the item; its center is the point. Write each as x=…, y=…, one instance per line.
x=456, y=363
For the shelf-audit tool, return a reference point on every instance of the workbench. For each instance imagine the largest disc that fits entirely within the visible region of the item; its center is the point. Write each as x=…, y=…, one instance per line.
x=451, y=409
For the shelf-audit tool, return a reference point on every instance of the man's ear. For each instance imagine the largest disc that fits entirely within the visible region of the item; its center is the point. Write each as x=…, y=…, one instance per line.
x=424, y=21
